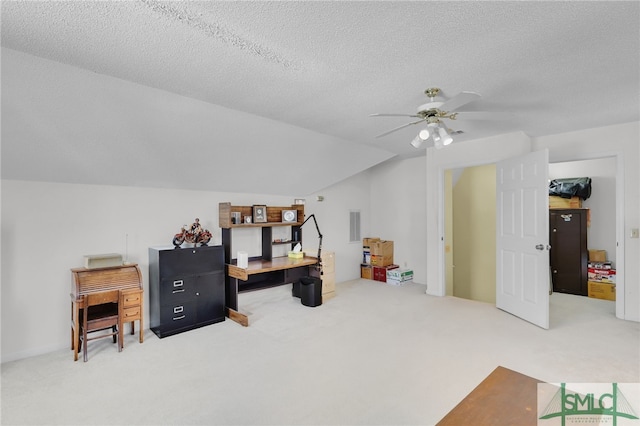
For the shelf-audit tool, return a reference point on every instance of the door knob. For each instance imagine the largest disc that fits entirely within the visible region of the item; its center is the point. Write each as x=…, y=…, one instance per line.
x=539, y=246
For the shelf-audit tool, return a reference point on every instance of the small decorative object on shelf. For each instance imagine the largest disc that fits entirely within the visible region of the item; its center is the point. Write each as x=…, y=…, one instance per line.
x=193, y=234
x=259, y=214
x=289, y=215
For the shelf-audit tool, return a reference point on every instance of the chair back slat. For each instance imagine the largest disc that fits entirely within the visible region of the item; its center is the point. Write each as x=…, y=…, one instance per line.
x=92, y=299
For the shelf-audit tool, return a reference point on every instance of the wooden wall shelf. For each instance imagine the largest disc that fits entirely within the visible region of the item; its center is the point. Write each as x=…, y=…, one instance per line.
x=274, y=216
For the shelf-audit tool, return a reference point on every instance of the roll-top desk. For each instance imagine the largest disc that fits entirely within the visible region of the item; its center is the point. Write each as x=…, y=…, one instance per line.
x=126, y=278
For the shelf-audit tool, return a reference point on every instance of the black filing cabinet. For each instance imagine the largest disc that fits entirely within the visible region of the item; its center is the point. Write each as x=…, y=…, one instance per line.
x=186, y=288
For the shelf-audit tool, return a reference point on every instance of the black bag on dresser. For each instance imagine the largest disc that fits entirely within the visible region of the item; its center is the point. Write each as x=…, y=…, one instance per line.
x=571, y=187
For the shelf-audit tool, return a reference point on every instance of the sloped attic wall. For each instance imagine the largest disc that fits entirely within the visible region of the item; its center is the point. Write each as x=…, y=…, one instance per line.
x=65, y=124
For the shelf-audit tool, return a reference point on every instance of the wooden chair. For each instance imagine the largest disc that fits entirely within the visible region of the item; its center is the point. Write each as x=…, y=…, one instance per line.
x=101, y=312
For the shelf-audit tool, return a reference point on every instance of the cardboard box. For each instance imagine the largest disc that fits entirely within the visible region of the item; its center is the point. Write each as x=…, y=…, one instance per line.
x=366, y=242
x=380, y=272
x=381, y=253
x=381, y=260
x=556, y=202
x=604, y=291
x=397, y=282
x=366, y=272
x=399, y=274
x=601, y=275
x=597, y=255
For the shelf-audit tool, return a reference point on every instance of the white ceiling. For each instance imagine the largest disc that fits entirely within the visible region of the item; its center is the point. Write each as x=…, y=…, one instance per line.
x=324, y=67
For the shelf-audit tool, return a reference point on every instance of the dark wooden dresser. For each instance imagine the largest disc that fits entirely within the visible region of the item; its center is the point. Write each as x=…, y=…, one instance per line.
x=186, y=288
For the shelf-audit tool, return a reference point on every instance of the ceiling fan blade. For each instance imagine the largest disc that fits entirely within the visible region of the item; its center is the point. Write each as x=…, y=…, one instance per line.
x=393, y=115
x=398, y=128
x=458, y=100
x=483, y=115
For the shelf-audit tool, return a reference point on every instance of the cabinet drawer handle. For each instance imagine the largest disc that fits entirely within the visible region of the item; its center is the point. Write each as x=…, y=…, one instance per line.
x=179, y=318
x=180, y=290
x=178, y=309
x=178, y=283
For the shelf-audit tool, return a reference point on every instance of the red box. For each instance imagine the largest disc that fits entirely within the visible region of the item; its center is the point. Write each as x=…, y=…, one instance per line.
x=602, y=275
x=380, y=272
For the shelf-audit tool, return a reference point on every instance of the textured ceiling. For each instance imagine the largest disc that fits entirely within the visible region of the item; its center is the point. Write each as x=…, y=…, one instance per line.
x=325, y=66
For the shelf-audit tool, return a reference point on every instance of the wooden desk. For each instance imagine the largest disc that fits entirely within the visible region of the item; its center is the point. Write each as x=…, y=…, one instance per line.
x=504, y=398
x=262, y=273
x=126, y=278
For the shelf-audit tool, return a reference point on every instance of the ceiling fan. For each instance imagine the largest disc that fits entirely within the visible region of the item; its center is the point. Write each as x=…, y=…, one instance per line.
x=433, y=112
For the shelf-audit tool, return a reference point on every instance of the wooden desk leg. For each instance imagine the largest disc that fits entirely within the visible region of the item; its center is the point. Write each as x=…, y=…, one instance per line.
x=120, y=334
x=72, y=326
x=76, y=331
x=232, y=304
x=141, y=326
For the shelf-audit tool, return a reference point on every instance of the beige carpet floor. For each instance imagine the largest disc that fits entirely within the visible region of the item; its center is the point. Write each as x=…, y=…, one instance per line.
x=375, y=354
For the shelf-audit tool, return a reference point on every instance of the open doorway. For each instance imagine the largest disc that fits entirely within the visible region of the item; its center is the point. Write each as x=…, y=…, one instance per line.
x=469, y=242
x=470, y=221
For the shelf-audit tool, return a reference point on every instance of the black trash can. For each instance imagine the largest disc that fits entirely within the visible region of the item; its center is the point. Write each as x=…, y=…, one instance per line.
x=311, y=291
x=295, y=291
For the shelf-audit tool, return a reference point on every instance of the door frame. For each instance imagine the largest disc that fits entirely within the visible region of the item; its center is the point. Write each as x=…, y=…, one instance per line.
x=620, y=217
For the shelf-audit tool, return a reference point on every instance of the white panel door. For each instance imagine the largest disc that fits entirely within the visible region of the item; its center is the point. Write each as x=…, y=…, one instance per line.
x=522, y=241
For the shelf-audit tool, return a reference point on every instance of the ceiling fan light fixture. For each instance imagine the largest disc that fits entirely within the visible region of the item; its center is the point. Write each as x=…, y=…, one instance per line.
x=445, y=136
x=423, y=135
x=437, y=141
x=417, y=142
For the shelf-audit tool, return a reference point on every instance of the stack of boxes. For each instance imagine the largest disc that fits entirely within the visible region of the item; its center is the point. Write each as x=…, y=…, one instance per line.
x=377, y=263
x=601, y=276
x=377, y=258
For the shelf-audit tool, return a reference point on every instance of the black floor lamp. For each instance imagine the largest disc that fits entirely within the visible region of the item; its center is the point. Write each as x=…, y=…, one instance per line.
x=319, y=236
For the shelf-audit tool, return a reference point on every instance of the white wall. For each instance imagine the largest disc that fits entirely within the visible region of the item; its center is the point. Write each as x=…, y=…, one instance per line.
x=601, y=234
x=333, y=219
x=398, y=211
x=47, y=228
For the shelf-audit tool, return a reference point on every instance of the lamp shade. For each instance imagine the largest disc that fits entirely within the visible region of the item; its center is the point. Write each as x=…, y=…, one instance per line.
x=437, y=141
x=417, y=142
x=445, y=136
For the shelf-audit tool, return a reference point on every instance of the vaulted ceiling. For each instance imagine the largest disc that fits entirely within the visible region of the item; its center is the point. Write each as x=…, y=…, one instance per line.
x=275, y=97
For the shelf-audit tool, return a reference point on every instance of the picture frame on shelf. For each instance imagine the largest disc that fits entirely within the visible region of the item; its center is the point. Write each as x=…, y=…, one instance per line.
x=259, y=214
x=289, y=216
